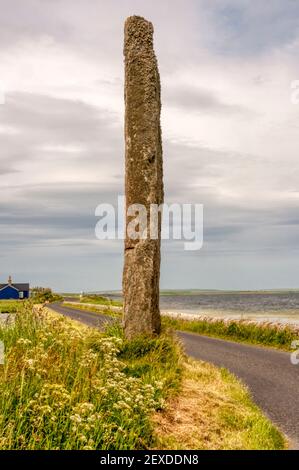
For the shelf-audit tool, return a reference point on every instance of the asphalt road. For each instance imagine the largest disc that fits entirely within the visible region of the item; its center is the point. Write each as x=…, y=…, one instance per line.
x=268, y=373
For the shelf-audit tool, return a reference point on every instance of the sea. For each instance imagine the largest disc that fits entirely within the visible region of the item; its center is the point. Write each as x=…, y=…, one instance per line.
x=277, y=306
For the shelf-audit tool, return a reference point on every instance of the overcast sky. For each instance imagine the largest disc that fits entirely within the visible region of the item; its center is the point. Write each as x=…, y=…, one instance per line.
x=230, y=136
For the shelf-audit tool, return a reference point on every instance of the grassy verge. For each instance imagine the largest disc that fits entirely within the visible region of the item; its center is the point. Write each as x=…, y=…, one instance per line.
x=13, y=306
x=67, y=386
x=214, y=412
x=99, y=308
x=265, y=334
x=98, y=299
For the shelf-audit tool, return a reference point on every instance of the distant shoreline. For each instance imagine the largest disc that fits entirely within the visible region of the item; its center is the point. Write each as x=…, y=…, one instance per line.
x=260, y=306
x=183, y=292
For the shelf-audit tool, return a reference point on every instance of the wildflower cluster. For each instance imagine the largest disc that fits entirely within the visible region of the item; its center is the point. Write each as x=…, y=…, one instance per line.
x=64, y=386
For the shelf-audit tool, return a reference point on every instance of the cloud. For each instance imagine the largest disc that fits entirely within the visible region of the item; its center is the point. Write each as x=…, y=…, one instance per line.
x=230, y=137
x=246, y=28
x=198, y=100
x=7, y=168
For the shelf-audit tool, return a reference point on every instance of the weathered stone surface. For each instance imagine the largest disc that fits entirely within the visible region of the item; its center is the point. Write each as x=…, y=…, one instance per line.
x=144, y=176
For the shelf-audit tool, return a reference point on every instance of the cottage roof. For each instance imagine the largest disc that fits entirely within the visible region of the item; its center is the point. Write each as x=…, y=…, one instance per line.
x=20, y=287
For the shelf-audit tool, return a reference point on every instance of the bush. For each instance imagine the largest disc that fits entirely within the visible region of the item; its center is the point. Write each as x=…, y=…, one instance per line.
x=44, y=294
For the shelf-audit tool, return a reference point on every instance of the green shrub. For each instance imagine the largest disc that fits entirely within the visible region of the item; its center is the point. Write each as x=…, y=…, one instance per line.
x=40, y=295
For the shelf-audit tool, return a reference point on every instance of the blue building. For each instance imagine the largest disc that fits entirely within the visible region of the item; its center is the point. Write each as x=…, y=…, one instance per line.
x=11, y=290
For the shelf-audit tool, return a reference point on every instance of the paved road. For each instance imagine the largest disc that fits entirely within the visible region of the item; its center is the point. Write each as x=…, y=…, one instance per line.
x=269, y=374
x=89, y=318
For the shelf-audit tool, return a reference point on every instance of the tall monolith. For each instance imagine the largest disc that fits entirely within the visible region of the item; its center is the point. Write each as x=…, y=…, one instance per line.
x=144, y=177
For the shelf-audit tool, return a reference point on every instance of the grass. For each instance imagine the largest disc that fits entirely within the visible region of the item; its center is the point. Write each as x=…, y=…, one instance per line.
x=98, y=299
x=265, y=334
x=214, y=412
x=67, y=386
x=10, y=306
x=97, y=308
x=13, y=306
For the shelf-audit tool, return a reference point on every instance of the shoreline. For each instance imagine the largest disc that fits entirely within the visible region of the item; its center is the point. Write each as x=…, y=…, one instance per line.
x=228, y=316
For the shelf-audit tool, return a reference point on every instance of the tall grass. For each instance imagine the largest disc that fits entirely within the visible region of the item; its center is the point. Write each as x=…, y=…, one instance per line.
x=10, y=306
x=99, y=299
x=267, y=334
x=65, y=386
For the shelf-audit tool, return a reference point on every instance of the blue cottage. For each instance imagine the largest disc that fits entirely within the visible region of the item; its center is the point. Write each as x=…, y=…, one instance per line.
x=13, y=291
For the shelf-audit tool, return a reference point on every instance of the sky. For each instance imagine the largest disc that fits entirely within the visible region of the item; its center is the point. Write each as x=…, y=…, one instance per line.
x=230, y=139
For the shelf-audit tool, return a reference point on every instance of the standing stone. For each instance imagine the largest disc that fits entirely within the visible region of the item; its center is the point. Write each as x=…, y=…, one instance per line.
x=144, y=177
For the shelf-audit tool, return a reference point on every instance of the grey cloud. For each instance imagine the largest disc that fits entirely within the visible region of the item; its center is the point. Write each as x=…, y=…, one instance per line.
x=42, y=213
x=199, y=100
x=46, y=225
x=42, y=121
x=59, y=120
x=7, y=168
x=45, y=213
